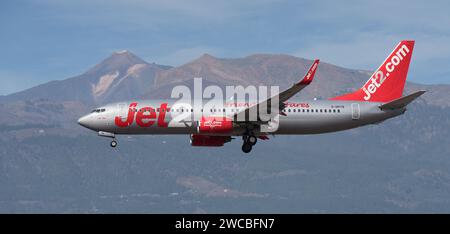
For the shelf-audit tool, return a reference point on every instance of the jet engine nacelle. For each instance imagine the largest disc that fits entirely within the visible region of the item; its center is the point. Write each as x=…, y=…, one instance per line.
x=215, y=125
x=203, y=140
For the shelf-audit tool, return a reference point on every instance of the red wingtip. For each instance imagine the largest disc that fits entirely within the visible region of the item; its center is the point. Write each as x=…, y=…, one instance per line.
x=310, y=74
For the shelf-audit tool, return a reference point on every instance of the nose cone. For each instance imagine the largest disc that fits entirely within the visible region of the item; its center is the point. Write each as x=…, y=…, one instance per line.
x=85, y=121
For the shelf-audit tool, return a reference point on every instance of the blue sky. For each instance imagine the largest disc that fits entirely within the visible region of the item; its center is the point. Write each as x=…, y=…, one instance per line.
x=44, y=40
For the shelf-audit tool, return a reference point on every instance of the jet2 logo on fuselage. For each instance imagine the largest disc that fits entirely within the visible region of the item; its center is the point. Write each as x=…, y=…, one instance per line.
x=145, y=117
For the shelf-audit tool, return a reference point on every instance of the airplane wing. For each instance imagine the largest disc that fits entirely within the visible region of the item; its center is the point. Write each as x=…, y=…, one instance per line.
x=282, y=96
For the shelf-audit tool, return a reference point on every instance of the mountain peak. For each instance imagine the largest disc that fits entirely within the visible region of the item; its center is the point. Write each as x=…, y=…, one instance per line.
x=120, y=61
x=121, y=52
x=205, y=59
x=207, y=56
x=124, y=56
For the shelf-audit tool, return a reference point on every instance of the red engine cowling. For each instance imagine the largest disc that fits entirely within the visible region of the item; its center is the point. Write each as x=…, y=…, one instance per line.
x=203, y=140
x=215, y=125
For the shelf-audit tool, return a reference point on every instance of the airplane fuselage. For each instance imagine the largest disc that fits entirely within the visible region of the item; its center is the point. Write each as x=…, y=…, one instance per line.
x=299, y=117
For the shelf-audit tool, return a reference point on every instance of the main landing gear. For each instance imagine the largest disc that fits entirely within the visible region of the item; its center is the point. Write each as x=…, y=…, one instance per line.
x=249, y=142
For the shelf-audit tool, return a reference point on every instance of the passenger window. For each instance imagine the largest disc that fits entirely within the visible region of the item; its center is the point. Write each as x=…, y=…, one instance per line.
x=339, y=111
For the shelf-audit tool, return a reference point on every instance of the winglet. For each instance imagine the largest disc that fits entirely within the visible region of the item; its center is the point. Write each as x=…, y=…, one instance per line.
x=310, y=75
x=402, y=102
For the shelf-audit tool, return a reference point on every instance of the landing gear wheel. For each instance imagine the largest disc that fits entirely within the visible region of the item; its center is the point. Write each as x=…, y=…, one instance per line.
x=113, y=143
x=246, y=147
x=252, y=140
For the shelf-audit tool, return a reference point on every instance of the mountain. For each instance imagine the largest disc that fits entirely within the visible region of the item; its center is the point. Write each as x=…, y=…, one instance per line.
x=260, y=69
x=123, y=75
x=49, y=164
x=281, y=70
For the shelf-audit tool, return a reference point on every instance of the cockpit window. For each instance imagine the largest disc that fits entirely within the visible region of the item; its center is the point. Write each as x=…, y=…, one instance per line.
x=98, y=110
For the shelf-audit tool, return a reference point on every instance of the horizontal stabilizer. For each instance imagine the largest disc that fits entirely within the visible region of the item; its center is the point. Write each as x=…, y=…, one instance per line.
x=402, y=102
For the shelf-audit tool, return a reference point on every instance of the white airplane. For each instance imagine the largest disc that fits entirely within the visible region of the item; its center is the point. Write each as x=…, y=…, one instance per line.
x=379, y=99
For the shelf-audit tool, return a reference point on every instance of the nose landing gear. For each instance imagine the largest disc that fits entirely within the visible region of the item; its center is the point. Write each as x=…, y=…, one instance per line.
x=110, y=135
x=113, y=143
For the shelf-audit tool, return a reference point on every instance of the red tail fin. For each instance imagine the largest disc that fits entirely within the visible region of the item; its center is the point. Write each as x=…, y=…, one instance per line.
x=387, y=83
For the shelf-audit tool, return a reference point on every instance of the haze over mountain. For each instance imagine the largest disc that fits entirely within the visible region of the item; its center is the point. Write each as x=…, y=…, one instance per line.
x=50, y=164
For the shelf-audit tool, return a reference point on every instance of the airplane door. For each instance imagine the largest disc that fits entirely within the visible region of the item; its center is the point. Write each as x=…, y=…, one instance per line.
x=123, y=111
x=355, y=111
